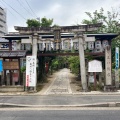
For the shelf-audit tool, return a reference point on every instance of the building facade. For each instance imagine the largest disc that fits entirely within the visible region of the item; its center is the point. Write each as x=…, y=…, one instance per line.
x=3, y=24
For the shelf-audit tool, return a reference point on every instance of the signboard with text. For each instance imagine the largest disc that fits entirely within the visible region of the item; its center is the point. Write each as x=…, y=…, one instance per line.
x=11, y=65
x=4, y=46
x=31, y=71
x=95, y=66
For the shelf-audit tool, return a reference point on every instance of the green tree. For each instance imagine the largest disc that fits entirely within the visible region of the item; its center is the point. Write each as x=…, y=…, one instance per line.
x=74, y=64
x=33, y=23
x=110, y=20
x=110, y=24
x=43, y=23
x=55, y=64
x=59, y=62
x=46, y=22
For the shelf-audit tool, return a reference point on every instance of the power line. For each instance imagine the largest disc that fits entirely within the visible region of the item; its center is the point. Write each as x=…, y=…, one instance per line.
x=24, y=8
x=11, y=12
x=30, y=8
x=14, y=10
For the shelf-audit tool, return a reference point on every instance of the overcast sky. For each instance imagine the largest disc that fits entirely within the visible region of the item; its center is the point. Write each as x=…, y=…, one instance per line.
x=64, y=12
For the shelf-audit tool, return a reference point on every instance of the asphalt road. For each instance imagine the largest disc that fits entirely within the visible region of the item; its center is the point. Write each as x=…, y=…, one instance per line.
x=82, y=114
x=59, y=99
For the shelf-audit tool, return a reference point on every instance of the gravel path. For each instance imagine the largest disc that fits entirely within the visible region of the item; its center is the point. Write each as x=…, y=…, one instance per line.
x=60, y=84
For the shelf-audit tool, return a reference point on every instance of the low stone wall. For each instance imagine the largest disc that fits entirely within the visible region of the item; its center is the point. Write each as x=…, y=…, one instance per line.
x=11, y=88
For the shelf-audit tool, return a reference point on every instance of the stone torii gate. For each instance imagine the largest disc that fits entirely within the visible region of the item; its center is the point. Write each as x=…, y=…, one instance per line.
x=34, y=32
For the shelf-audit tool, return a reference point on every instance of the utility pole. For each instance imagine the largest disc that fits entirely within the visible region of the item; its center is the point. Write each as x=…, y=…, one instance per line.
x=82, y=62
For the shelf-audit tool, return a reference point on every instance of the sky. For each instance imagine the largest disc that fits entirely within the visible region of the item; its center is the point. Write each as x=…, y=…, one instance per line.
x=63, y=12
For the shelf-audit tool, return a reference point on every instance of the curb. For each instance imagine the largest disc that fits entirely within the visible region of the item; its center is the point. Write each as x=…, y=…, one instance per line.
x=37, y=94
x=110, y=104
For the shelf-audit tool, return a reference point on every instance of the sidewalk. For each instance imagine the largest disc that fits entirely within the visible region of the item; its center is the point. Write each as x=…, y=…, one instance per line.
x=60, y=101
x=73, y=98
x=75, y=88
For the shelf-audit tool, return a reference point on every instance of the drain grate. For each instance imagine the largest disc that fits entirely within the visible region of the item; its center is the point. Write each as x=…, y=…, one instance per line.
x=59, y=90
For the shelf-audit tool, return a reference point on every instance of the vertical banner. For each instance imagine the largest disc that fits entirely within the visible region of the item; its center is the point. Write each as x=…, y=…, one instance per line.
x=117, y=57
x=117, y=67
x=1, y=66
x=31, y=71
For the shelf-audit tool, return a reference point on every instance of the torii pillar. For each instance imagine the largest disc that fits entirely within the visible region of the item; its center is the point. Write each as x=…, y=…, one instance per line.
x=34, y=51
x=82, y=63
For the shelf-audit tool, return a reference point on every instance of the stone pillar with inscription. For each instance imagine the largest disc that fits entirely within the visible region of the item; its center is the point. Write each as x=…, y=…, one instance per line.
x=108, y=76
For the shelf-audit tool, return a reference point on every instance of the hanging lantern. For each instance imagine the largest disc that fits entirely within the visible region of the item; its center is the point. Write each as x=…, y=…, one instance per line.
x=40, y=46
x=98, y=44
x=105, y=43
x=22, y=46
x=27, y=46
x=90, y=45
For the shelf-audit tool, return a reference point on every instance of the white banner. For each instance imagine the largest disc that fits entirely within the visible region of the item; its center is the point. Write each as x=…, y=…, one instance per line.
x=31, y=71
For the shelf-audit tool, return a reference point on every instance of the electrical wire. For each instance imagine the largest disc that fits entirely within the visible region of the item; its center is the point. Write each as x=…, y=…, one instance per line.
x=12, y=13
x=30, y=8
x=25, y=8
x=14, y=9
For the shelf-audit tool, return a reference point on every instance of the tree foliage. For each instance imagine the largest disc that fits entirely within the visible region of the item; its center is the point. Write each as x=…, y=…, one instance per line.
x=59, y=62
x=110, y=20
x=43, y=23
x=33, y=23
x=46, y=22
x=74, y=64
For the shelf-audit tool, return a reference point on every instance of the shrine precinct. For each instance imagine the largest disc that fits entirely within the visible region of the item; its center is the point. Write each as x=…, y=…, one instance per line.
x=50, y=38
